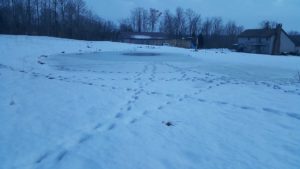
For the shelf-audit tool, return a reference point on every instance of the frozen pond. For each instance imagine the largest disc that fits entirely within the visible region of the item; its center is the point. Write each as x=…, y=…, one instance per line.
x=94, y=58
x=245, y=71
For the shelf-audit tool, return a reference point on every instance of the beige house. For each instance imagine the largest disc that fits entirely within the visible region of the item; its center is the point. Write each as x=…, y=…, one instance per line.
x=266, y=41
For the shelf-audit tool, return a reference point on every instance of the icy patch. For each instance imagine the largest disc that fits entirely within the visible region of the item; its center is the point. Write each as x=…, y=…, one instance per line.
x=141, y=54
x=141, y=37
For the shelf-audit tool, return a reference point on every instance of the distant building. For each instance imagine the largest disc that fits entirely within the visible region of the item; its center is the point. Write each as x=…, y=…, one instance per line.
x=266, y=41
x=154, y=38
x=296, y=39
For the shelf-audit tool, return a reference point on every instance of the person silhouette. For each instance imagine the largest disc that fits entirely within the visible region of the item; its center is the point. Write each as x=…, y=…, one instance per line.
x=194, y=41
x=200, y=41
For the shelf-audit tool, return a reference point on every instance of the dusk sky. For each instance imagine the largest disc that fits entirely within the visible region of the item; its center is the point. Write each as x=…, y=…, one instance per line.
x=245, y=12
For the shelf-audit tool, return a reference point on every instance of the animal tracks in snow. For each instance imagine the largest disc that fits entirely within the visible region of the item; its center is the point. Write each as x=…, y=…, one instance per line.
x=150, y=82
x=61, y=155
x=294, y=116
x=42, y=157
x=84, y=138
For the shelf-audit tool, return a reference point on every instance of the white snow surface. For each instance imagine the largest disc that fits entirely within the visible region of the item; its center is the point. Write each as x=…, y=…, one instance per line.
x=67, y=104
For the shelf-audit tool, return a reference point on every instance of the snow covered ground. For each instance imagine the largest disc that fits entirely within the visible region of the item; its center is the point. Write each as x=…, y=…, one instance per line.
x=67, y=104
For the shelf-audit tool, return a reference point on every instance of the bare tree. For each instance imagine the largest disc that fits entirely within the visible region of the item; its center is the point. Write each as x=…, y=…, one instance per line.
x=28, y=16
x=167, y=24
x=37, y=12
x=145, y=21
x=54, y=11
x=217, y=26
x=125, y=26
x=153, y=18
x=267, y=24
x=6, y=19
x=193, y=22
x=232, y=29
x=231, y=32
x=180, y=23
x=207, y=27
x=136, y=18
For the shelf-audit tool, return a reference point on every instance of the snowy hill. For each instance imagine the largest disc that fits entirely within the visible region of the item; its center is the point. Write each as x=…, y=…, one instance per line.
x=68, y=104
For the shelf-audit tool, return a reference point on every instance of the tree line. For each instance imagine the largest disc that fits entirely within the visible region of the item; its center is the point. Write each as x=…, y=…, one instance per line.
x=183, y=23
x=60, y=18
x=72, y=19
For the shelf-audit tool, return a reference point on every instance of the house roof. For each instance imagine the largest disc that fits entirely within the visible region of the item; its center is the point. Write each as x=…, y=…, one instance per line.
x=296, y=39
x=143, y=35
x=258, y=33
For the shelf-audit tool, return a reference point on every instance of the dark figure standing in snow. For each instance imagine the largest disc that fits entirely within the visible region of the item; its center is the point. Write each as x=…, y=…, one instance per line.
x=194, y=41
x=200, y=41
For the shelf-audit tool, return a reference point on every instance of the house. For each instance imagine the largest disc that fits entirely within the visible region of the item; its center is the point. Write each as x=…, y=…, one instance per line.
x=266, y=41
x=296, y=39
x=153, y=38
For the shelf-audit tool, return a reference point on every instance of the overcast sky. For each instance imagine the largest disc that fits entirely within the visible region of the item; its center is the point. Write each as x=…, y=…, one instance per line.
x=245, y=12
